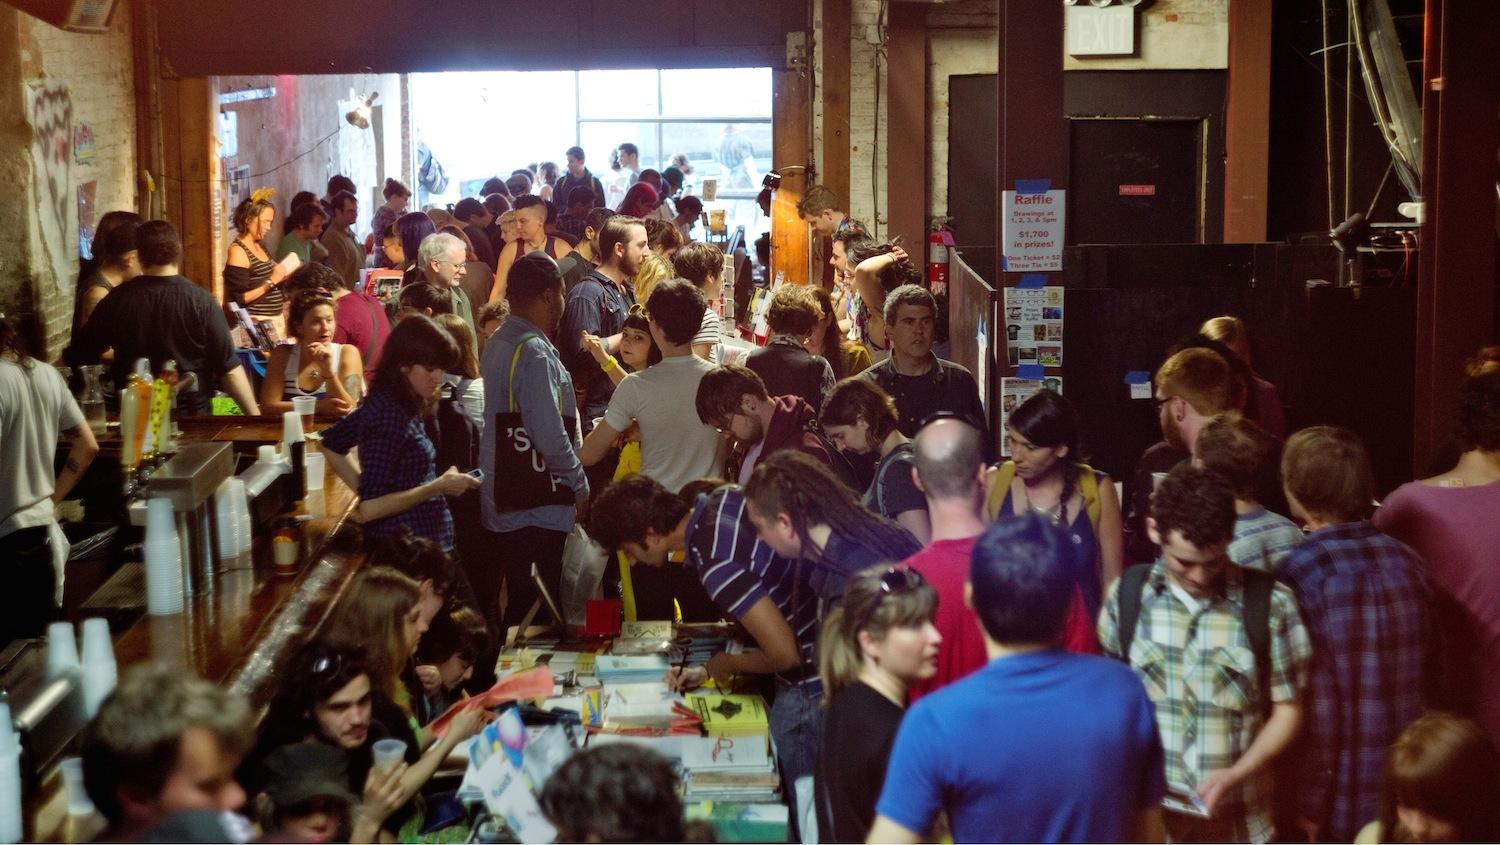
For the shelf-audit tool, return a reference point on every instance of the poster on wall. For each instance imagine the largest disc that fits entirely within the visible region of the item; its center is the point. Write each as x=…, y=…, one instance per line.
x=87, y=193
x=1034, y=323
x=1032, y=227
x=1014, y=391
x=239, y=185
x=49, y=115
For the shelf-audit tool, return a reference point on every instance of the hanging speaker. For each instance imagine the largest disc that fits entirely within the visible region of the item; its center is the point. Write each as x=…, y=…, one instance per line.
x=91, y=16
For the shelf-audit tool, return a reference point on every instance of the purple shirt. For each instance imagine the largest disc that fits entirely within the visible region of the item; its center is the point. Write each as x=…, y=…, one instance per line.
x=360, y=319
x=1456, y=533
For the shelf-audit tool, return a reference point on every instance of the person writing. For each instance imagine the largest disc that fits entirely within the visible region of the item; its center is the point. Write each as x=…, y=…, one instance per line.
x=333, y=373
x=251, y=278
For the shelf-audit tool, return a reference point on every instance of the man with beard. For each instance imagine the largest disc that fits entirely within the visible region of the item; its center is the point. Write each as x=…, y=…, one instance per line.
x=733, y=399
x=1192, y=386
x=598, y=306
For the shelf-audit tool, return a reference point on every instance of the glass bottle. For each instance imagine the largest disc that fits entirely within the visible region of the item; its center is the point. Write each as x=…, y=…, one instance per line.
x=91, y=400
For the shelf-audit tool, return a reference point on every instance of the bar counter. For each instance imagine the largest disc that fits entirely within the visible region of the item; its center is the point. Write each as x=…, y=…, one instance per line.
x=251, y=619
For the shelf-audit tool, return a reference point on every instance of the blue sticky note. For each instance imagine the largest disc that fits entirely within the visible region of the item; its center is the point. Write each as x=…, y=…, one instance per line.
x=1033, y=281
x=1003, y=264
x=1034, y=371
x=1033, y=186
x=1138, y=377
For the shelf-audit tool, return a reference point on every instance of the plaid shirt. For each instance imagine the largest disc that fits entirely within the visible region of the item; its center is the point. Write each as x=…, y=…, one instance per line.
x=1262, y=539
x=1199, y=671
x=1364, y=599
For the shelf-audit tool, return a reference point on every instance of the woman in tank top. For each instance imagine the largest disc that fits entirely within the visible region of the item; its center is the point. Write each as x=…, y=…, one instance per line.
x=314, y=365
x=251, y=278
x=531, y=220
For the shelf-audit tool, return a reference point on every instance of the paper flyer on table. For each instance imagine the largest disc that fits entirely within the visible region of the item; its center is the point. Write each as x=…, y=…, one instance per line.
x=1034, y=325
x=1014, y=391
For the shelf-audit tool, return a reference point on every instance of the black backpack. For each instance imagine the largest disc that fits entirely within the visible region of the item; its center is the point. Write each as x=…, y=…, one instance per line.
x=1258, y=587
x=455, y=435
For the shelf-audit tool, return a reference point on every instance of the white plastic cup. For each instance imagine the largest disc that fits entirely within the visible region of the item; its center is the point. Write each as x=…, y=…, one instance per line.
x=10, y=778
x=99, y=670
x=79, y=803
x=291, y=429
x=313, y=463
x=305, y=406
x=387, y=752
x=62, y=649
x=163, y=561
x=230, y=503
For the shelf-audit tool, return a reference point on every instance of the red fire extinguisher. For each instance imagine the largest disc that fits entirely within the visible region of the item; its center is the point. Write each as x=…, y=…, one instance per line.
x=937, y=261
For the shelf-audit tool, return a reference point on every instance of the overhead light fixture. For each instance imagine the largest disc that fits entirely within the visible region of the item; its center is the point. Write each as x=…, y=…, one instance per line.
x=359, y=116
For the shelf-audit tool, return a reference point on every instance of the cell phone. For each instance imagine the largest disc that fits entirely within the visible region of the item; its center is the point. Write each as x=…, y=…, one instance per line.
x=1181, y=799
x=476, y=473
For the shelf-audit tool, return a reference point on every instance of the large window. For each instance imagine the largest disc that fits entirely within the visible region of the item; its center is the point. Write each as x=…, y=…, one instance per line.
x=485, y=124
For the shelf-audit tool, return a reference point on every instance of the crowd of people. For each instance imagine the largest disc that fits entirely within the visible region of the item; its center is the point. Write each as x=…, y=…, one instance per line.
x=1236, y=644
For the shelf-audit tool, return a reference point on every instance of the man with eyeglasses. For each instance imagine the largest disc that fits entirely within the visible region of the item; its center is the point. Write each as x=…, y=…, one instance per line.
x=442, y=258
x=733, y=399
x=1039, y=745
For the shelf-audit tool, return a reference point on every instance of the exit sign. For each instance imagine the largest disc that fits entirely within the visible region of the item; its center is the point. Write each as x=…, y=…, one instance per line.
x=1099, y=31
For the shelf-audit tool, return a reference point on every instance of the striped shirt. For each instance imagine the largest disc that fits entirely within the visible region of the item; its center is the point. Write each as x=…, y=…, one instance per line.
x=738, y=569
x=1364, y=598
x=1262, y=539
x=1198, y=669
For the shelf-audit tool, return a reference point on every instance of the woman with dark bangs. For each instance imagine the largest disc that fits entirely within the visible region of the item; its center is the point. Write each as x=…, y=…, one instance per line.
x=872, y=648
x=394, y=475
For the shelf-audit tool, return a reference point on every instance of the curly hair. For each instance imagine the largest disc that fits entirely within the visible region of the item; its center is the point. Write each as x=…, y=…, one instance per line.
x=794, y=310
x=614, y=793
x=247, y=211
x=1479, y=411
x=624, y=511
x=1195, y=503
x=806, y=490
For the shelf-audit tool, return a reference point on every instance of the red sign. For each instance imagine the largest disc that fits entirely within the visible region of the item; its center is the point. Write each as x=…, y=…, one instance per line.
x=1137, y=190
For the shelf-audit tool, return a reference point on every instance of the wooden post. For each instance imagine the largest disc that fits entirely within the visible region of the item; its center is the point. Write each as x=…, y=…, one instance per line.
x=833, y=171
x=1247, y=120
x=791, y=139
x=906, y=128
x=1456, y=273
x=191, y=178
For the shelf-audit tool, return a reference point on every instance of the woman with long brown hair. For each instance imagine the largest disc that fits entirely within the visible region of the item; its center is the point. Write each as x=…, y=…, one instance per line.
x=251, y=278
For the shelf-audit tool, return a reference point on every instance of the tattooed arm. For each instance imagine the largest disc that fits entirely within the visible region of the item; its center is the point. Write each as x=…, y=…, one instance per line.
x=82, y=448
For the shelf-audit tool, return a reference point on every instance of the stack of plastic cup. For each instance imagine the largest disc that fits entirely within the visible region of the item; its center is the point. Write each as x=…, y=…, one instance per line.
x=163, y=559
x=79, y=803
x=314, y=462
x=10, y=777
x=62, y=649
x=99, y=671
x=232, y=509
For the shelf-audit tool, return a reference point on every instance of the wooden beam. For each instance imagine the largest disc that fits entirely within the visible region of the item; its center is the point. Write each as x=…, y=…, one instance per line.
x=191, y=178
x=1247, y=120
x=833, y=170
x=791, y=140
x=906, y=127
x=1456, y=272
x=1032, y=140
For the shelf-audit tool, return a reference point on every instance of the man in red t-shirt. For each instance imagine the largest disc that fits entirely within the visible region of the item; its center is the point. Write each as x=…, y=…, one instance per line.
x=950, y=471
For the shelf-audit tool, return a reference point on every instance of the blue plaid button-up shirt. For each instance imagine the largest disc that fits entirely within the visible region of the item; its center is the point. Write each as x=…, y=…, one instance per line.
x=1364, y=601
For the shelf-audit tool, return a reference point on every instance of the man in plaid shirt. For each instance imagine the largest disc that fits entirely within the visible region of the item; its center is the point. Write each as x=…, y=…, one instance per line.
x=1191, y=650
x=1365, y=600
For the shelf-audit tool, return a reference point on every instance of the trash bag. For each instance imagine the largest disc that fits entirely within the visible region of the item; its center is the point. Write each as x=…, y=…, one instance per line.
x=582, y=575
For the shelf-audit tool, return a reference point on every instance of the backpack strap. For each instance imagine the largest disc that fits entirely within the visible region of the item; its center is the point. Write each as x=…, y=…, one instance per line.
x=1088, y=488
x=1258, y=588
x=1132, y=583
x=1000, y=479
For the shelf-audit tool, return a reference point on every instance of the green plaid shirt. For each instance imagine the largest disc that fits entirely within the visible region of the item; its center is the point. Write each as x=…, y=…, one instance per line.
x=1198, y=669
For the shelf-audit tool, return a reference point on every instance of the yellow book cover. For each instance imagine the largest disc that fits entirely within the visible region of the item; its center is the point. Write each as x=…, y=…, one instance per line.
x=731, y=715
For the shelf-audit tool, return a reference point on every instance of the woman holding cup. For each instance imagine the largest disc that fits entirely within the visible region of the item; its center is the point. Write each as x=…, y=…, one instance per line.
x=331, y=374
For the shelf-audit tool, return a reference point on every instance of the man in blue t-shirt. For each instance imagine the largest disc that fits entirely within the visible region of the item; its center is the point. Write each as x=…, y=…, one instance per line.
x=1039, y=745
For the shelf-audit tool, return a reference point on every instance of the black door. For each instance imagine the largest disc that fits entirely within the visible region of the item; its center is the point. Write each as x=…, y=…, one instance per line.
x=1135, y=181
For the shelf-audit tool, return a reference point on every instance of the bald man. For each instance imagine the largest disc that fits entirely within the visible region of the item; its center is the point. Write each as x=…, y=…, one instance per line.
x=950, y=468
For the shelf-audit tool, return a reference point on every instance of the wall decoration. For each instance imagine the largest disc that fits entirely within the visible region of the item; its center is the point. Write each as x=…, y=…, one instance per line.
x=239, y=185
x=87, y=217
x=84, y=149
x=49, y=113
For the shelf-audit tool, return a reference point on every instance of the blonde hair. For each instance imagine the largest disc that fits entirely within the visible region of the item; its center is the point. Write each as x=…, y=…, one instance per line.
x=371, y=618
x=1201, y=377
x=870, y=607
x=653, y=269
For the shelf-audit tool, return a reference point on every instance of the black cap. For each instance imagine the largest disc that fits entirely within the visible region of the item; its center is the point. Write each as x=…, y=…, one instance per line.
x=298, y=773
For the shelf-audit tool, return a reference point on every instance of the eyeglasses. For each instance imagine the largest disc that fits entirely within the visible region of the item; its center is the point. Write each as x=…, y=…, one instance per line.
x=1160, y=402
x=327, y=666
x=638, y=310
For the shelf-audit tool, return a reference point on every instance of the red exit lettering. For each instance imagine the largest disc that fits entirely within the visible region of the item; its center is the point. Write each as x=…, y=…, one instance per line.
x=1137, y=190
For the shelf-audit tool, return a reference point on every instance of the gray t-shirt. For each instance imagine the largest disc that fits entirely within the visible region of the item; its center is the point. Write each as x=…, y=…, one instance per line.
x=35, y=406
x=675, y=446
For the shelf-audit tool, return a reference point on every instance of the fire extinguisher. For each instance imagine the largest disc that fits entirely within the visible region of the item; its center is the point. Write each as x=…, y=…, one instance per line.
x=937, y=261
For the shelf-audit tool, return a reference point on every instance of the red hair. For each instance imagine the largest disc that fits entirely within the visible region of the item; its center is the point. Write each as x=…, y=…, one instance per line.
x=639, y=201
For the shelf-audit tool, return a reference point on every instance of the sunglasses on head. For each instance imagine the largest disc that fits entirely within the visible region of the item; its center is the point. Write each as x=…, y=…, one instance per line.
x=894, y=581
x=327, y=666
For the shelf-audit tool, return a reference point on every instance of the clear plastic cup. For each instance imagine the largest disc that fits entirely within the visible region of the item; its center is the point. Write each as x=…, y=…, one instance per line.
x=305, y=406
x=387, y=752
x=313, y=462
x=62, y=649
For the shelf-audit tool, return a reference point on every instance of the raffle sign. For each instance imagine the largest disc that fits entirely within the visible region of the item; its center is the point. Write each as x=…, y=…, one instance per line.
x=1033, y=228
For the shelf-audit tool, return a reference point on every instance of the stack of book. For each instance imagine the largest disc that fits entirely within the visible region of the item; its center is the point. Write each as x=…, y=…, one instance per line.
x=727, y=768
x=734, y=821
x=630, y=669
x=646, y=707
x=739, y=717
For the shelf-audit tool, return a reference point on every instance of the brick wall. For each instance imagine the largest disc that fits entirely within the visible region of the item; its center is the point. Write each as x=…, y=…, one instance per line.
x=867, y=115
x=98, y=72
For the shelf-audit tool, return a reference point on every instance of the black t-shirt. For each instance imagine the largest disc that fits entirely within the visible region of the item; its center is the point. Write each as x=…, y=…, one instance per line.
x=858, y=732
x=161, y=317
x=893, y=490
x=945, y=387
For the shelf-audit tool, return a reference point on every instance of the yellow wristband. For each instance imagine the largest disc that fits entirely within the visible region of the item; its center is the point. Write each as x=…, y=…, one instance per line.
x=611, y=364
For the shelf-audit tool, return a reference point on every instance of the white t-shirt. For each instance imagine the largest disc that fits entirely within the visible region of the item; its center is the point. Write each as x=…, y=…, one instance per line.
x=35, y=406
x=675, y=446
